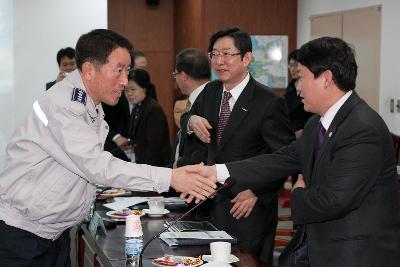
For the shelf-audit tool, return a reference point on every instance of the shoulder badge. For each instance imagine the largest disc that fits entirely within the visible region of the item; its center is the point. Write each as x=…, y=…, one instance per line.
x=79, y=95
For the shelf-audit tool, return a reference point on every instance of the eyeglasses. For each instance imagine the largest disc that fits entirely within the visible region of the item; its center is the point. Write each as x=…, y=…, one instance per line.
x=224, y=55
x=175, y=73
x=292, y=65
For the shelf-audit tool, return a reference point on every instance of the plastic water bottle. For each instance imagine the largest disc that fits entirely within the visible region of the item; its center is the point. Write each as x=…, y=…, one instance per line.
x=133, y=240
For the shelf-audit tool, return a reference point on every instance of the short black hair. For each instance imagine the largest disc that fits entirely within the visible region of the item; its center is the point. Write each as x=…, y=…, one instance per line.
x=194, y=62
x=293, y=55
x=334, y=54
x=95, y=46
x=142, y=78
x=240, y=38
x=179, y=98
x=138, y=53
x=68, y=52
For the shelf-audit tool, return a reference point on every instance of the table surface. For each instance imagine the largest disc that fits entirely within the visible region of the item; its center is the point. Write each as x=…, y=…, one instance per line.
x=110, y=247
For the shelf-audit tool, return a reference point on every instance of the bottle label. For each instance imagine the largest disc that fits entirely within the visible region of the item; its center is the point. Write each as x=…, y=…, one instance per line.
x=133, y=246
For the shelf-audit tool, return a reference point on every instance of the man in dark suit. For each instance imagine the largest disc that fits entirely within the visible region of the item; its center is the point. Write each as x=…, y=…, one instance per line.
x=347, y=206
x=179, y=107
x=118, y=118
x=252, y=121
x=192, y=73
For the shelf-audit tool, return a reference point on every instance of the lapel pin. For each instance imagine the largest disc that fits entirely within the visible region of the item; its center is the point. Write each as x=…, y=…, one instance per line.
x=330, y=134
x=245, y=110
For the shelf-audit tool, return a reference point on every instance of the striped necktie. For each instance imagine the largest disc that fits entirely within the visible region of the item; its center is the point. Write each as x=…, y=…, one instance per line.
x=223, y=115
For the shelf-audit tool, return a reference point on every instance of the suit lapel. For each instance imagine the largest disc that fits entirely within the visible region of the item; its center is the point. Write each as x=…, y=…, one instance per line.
x=343, y=112
x=311, y=139
x=239, y=112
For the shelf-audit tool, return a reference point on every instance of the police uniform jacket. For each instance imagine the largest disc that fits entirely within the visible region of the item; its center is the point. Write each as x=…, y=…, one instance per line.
x=55, y=158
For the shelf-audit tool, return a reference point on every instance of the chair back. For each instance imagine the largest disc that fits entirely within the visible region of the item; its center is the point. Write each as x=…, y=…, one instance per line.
x=396, y=143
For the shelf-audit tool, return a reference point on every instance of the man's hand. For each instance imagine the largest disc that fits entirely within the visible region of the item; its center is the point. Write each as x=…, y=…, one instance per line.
x=208, y=172
x=200, y=127
x=299, y=183
x=243, y=204
x=61, y=75
x=192, y=183
x=122, y=142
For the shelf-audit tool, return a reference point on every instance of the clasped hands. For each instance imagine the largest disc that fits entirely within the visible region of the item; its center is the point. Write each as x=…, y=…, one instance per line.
x=198, y=182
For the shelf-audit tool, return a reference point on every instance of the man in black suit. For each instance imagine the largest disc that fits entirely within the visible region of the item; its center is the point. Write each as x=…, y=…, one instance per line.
x=118, y=118
x=179, y=108
x=251, y=121
x=192, y=73
x=347, y=206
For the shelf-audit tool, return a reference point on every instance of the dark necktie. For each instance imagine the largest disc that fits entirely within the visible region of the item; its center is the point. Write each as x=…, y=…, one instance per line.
x=134, y=119
x=224, y=114
x=320, y=139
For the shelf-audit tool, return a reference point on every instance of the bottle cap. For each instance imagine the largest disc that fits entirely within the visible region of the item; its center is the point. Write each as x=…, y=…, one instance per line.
x=133, y=226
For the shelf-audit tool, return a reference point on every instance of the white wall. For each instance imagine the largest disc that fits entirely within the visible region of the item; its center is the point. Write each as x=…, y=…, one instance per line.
x=390, y=44
x=40, y=29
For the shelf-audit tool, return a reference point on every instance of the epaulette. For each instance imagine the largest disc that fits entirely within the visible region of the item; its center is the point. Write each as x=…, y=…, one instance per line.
x=78, y=95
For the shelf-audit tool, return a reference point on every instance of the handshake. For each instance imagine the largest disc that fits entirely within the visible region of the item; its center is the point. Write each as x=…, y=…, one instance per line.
x=194, y=182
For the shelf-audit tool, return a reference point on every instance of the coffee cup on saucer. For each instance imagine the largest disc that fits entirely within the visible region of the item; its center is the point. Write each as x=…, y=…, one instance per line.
x=156, y=206
x=220, y=251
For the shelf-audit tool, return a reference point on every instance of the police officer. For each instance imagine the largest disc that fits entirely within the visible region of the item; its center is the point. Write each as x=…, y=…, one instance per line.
x=55, y=158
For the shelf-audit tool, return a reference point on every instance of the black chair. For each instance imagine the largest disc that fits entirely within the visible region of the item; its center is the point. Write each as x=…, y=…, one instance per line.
x=396, y=143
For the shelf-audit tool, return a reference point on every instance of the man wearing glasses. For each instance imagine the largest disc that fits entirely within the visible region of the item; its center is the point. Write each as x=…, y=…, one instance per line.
x=236, y=118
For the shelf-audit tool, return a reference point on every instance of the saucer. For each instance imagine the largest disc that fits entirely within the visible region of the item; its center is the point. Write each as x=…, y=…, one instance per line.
x=232, y=258
x=152, y=214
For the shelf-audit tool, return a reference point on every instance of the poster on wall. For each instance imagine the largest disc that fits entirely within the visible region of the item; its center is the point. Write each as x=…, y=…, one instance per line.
x=269, y=64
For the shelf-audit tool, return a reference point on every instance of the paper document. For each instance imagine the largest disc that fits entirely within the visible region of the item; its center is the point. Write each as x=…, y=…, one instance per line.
x=197, y=235
x=125, y=202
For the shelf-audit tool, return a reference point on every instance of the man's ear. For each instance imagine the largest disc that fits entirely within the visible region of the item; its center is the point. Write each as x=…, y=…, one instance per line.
x=328, y=78
x=184, y=76
x=247, y=58
x=88, y=70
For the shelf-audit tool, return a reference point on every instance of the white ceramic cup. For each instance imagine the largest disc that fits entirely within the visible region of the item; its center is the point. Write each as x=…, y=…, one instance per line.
x=156, y=206
x=220, y=251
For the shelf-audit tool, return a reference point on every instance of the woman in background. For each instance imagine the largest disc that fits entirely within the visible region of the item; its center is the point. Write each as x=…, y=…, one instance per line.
x=298, y=116
x=148, y=126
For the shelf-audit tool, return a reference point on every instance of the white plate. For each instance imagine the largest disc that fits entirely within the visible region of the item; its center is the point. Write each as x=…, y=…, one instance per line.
x=118, y=216
x=179, y=259
x=232, y=258
x=151, y=214
x=115, y=192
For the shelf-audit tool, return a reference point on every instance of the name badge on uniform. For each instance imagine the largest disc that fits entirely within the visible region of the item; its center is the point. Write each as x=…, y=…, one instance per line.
x=79, y=95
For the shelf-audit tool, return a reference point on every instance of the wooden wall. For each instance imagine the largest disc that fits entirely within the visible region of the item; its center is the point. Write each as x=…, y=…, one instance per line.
x=162, y=31
x=151, y=30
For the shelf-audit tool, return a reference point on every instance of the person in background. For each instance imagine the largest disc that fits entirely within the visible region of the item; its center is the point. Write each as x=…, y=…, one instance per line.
x=148, y=126
x=237, y=117
x=140, y=61
x=297, y=115
x=192, y=73
x=55, y=158
x=180, y=105
x=66, y=63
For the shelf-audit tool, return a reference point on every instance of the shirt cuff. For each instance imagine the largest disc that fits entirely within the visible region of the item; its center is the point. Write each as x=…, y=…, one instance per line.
x=188, y=131
x=115, y=137
x=222, y=173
